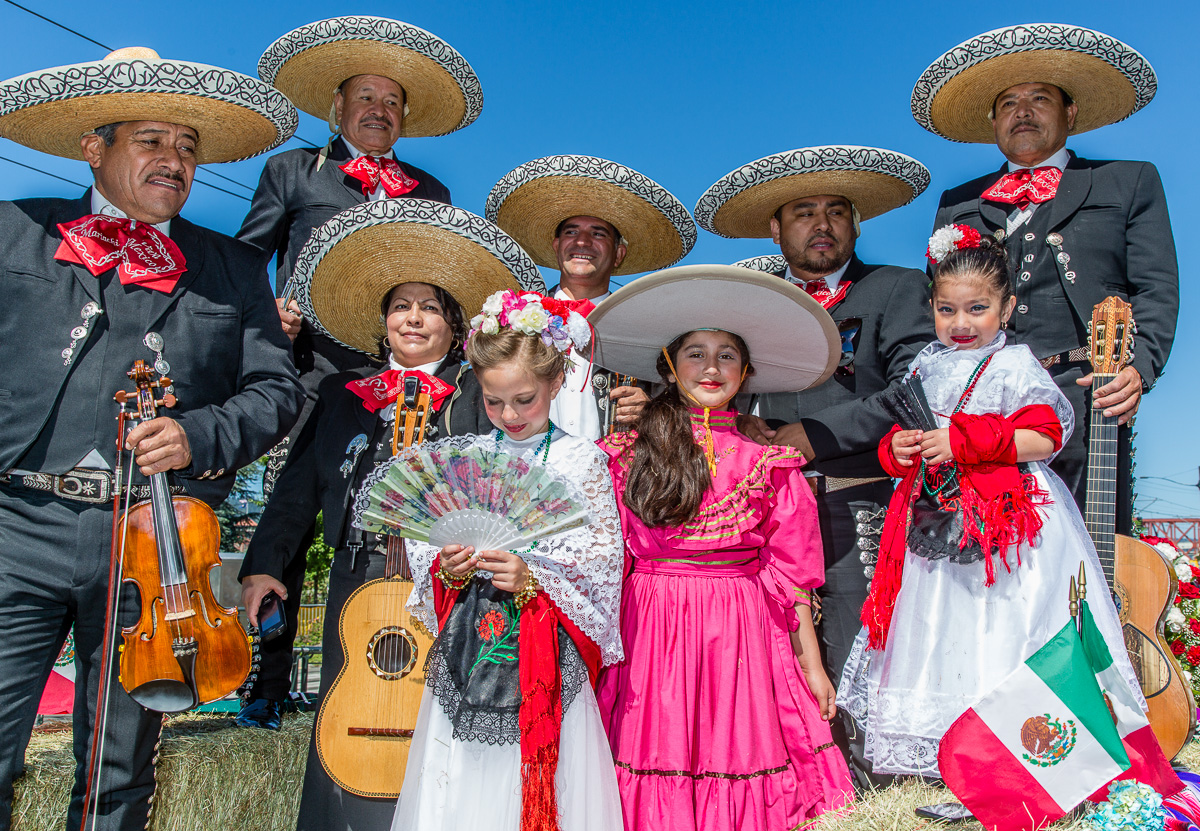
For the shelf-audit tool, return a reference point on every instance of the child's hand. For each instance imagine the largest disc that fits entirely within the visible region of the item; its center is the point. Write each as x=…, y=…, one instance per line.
x=509, y=572
x=905, y=445
x=822, y=690
x=935, y=446
x=458, y=560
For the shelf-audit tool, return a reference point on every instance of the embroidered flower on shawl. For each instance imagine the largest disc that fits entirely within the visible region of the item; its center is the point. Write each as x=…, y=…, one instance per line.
x=491, y=625
x=950, y=238
x=532, y=314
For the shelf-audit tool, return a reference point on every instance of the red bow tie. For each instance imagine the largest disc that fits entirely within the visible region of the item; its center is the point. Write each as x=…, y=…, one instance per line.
x=819, y=291
x=1024, y=186
x=372, y=171
x=380, y=390
x=564, y=307
x=144, y=255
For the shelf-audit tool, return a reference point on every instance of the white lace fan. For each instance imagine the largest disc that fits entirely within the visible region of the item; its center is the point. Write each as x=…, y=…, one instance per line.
x=448, y=492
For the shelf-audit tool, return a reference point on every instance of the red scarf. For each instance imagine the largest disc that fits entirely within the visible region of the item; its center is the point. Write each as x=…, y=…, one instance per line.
x=819, y=290
x=562, y=308
x=383, y=389
x=540, y=715
x=144, y=255
x=372, y=171
x=1024, y=186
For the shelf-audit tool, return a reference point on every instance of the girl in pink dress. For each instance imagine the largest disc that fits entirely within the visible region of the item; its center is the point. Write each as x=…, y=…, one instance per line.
x=718, y=716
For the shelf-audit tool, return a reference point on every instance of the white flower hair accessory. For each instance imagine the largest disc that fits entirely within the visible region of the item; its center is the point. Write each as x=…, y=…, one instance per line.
x=555, y=321
x=951, y=238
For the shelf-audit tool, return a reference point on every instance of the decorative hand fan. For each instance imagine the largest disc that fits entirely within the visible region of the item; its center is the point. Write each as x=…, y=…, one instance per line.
x=446, y=493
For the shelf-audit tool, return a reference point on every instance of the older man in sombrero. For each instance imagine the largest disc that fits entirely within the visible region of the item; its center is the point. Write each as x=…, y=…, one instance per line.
x=93, y=284
x=591, y=219
x=374, y=80
x=811, y=202
x=1077, y=230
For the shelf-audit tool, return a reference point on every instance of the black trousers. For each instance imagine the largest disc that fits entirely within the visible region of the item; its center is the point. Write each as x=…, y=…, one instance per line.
x=842, y=599
x=54, y=558
x=323, y=805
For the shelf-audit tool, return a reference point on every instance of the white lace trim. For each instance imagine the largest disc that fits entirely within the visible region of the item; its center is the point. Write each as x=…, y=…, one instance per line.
x=580, y=570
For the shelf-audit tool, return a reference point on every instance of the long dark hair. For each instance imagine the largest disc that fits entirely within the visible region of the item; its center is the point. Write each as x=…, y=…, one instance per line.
x=668, y=473
x=452, y=313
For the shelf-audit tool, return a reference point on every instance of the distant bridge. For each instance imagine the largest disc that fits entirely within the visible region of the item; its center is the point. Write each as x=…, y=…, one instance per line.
x=1185, y=533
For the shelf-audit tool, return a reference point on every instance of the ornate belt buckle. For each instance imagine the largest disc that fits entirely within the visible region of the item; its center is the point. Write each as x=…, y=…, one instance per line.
x=82, y=486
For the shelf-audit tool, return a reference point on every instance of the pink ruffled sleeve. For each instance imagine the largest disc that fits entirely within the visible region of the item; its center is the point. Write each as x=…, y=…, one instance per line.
x=792, y=554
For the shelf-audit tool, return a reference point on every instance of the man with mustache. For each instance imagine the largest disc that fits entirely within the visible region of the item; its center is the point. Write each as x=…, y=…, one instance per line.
x=591, y=219
x=811, y=202
x=90, y=286
x=359, y=73
x=1077, y=230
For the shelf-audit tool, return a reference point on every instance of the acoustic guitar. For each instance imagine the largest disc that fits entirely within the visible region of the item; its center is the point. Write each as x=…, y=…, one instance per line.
x=365, y=723
x=1143, y=583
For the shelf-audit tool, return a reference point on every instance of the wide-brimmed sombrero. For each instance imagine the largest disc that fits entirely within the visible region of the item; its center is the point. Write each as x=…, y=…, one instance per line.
x=741, y=203
x=532, y=200
x=234, y=115
x=767, y=263
x=441, y=90
x=1109, y=80
x=793, y=342
x=350, y=261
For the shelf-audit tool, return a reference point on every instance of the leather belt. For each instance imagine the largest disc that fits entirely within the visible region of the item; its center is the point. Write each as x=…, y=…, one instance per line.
x=829, y=484
x=94, y=487
x=1078, y=355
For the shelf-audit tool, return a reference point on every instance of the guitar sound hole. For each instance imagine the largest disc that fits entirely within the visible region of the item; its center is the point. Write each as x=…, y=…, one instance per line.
x=392, y=653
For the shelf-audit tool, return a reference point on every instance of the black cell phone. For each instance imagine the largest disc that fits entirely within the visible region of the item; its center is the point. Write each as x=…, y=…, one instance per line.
x=271, y=622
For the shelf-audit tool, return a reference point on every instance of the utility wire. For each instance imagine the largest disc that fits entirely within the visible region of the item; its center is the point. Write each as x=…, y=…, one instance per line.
x=59, y=25
x=39, y=170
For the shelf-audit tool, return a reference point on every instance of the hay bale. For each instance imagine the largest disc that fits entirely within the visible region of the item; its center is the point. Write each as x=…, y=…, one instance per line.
x=210, y=775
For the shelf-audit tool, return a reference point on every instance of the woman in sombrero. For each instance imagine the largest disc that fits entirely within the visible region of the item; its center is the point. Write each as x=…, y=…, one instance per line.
x=404, y=275
x=718, y=717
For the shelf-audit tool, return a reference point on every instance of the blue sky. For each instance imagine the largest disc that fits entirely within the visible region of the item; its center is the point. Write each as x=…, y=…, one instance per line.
x=684, y=92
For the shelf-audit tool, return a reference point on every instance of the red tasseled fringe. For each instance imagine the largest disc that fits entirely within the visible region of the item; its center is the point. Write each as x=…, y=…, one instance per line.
x=540, y=715
x=1003, y=522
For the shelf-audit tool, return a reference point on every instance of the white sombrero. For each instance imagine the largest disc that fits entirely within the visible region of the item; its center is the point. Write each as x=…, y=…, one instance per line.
x=793, y=342
x=362, y=252
x=441, y=90
x=234, y=115
x=1107, y=79
x=532, y=200
x=741, y=203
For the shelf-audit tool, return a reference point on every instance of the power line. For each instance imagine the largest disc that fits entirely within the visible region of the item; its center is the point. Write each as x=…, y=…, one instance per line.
x=59, y=25
x=227, y=179
x=39, y=170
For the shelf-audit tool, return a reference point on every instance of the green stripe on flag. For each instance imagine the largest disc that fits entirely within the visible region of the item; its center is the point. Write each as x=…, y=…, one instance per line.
x=1064, y=667
x=1093, y=642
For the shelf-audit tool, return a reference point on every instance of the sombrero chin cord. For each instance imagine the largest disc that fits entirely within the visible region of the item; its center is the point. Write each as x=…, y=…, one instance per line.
x=710, y=452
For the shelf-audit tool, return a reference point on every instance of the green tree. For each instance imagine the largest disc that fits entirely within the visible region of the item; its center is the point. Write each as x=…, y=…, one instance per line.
x=317, y=562
x=244, y=503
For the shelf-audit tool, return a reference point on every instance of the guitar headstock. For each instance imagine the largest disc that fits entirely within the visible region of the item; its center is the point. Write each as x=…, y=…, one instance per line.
x=1110, y=336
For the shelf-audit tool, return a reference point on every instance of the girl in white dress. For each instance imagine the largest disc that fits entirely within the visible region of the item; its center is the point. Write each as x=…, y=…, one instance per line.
x=981, y=539
x=509, y=736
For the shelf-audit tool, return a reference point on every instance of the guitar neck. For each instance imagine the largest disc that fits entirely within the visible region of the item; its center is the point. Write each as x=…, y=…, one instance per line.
x=1100, y=509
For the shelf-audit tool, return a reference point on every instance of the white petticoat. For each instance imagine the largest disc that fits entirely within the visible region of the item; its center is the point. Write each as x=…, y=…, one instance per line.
x=455, y=785
x=953, y=640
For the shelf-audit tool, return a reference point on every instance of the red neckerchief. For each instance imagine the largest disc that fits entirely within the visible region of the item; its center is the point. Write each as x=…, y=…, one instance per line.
x=819, y=290
x=564, y=307
x=144, y=255
x=383, y=389
x=1024, y=186
x=372, y=172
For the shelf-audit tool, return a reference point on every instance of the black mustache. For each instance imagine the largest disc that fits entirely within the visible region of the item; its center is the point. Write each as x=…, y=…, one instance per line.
x=167, y=174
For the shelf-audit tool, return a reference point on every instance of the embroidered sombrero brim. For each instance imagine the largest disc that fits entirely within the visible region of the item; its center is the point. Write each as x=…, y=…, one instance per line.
x=1109, y=80
x=767, y=263
x=234, y=115
x=308, y=64
x=531, y=201
x=350, y=261
x=793, y=342
x=741, y=203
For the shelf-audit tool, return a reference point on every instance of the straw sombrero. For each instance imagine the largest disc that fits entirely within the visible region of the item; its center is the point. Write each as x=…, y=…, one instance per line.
x=308, y=64
x=531, y=201
x=767, y=263
x=1108, y=80
x=350, y=261
x=742, y=203
x=235, y=116
x=794, y=343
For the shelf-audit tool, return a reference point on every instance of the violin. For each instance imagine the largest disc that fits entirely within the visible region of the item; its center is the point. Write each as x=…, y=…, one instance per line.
x=186, y=649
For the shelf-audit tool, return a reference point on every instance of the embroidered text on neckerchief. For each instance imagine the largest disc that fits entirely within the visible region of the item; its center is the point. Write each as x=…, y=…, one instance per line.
x=144, y=255
x=1024, y=186
x=380, y=390
x=372, y=171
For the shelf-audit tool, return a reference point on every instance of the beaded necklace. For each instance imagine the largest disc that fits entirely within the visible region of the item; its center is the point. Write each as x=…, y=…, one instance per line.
x=544, y=450
x=952, y=470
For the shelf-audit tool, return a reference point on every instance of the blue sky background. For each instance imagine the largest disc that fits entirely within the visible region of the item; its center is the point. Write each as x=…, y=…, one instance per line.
x=684, y=92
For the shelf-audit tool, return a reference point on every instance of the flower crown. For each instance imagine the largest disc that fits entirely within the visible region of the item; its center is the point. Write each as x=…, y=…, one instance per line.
x=533, y=314
x=950, y=238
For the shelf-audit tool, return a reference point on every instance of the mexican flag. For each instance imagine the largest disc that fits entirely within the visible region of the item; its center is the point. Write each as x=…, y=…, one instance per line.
x=58, y=697
x=1038, y=744
x=1148, y=763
